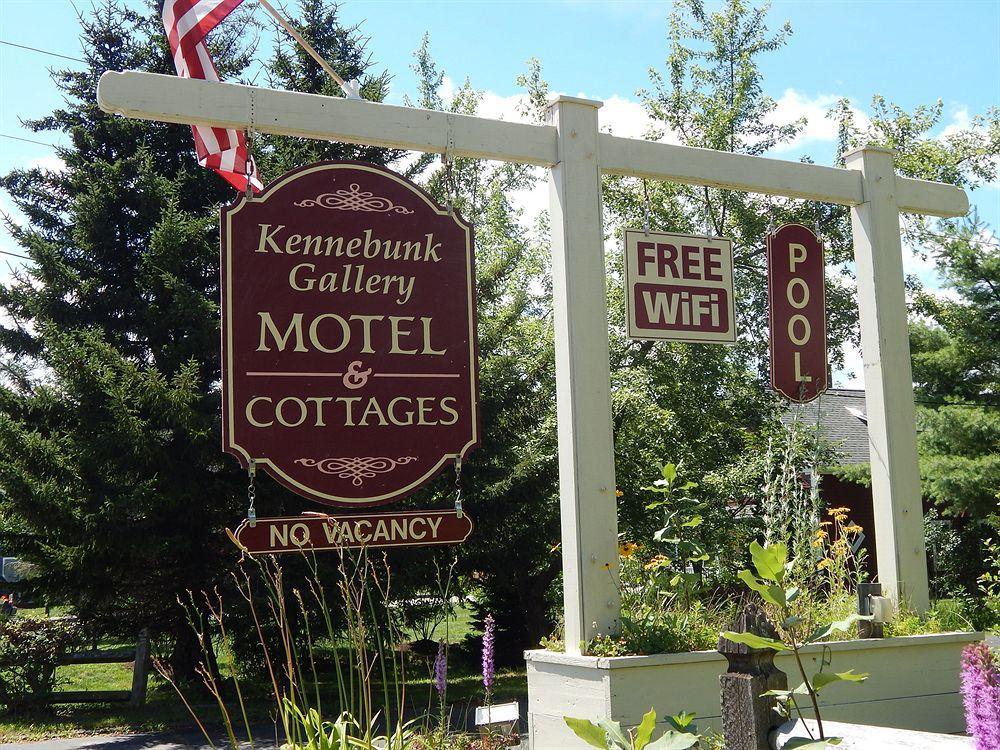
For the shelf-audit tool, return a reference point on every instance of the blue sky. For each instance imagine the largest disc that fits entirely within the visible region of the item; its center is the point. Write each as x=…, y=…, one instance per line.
x=912, y=52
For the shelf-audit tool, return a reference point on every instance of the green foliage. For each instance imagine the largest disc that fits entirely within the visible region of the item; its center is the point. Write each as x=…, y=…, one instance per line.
x=661, y=580
x=682, y=552
x=30, y=649
x=773, y=569
x=791, y=503
x=609, y=735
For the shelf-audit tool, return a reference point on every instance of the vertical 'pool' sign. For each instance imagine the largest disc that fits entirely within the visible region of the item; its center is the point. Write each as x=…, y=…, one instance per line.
x=349, y=334
x=795, y=283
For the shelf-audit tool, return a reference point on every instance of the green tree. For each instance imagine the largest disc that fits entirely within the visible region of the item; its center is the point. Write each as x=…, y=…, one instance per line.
x=111, y=475
x=956, y=358
x=954, y=343
x=711, y=95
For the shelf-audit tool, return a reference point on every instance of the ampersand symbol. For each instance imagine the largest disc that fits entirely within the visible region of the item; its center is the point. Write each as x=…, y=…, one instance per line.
x=356, y=377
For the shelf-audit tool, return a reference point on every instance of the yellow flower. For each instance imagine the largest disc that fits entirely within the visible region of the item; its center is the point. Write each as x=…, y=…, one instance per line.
x=826, y=523
x=657, y=562
x=628, y=549
x=824, y=563
x=817, y=543
x=852, y=529
x=606, y=566
x=820, y=534
x=835, y=511
x=618, y=493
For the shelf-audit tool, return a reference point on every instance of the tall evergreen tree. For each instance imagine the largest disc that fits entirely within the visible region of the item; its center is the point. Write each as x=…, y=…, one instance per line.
x=111, y=475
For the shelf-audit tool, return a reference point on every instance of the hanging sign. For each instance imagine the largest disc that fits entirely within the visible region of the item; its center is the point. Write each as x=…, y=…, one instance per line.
x=797, y=293
x=679, y=287
x=349, y=365
x=317, y=533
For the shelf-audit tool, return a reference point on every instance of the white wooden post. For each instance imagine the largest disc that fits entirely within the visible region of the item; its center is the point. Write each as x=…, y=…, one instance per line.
x=885, y=346
x=583, y=377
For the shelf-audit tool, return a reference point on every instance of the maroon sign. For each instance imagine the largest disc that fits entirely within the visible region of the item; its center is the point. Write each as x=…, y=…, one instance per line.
x=795, y=282
x=269, y=536
x=349, y=365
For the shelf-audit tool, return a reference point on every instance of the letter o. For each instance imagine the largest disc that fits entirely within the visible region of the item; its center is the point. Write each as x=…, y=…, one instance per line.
x=314, y=332
x=790, y=294
x=806, y=330
x=279, y=411
x=299, y=535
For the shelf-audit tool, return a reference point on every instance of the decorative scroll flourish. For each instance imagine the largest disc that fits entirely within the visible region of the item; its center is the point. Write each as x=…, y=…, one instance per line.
x=353, y=199
x=356, y=469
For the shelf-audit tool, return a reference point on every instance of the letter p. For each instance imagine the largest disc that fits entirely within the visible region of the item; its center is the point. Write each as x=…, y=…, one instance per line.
x=796, y=254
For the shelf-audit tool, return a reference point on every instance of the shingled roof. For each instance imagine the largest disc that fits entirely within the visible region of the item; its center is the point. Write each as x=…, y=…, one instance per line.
x=843, y=422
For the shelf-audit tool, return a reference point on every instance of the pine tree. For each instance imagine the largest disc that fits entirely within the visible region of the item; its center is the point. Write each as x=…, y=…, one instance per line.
x=112, y=479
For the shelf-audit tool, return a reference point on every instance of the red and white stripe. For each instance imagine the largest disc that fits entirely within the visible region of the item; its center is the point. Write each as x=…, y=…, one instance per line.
x=187, y=23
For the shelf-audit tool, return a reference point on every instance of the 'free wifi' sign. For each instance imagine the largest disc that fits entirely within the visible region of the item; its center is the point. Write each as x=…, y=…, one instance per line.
x=679, y=287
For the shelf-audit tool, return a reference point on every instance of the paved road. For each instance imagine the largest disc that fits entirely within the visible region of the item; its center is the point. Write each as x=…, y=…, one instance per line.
x=159, y=741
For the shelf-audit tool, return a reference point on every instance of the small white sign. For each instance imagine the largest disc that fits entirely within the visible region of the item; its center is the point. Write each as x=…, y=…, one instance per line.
x=679, y=287
x=500, y=713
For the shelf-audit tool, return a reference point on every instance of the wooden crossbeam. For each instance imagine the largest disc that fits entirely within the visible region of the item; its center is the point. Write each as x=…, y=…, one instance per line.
x=151, y=96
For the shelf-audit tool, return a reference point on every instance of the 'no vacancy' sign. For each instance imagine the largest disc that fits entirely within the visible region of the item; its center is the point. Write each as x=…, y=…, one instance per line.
x=679, y=287
x=349, y=334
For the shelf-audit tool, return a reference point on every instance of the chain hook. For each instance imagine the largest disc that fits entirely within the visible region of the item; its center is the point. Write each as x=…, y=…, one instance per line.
x=251, y=493
x=648, y=207
x=447, y=158
x=458, y=487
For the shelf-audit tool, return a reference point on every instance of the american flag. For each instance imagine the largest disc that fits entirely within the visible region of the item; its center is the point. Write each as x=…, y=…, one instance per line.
x=187, y=23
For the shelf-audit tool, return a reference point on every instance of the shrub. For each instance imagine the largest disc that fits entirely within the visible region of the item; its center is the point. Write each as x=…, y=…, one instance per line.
x=29, y=653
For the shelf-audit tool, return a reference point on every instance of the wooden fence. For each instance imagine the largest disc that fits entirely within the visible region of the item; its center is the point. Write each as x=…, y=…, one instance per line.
x=140, y=673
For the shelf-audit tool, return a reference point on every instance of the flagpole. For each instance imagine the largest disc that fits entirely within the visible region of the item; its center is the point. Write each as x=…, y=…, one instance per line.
x=351, y=92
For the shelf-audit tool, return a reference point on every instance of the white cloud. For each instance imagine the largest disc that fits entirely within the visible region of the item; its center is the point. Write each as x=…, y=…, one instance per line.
x=819, y=128
x=49, y=162
x=852, y=375
x=960, y=120
x=627, y=118
x=619, y=115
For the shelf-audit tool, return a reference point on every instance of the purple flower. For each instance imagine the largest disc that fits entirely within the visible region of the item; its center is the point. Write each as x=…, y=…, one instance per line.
x=981, y=695
x=489, y=670
x=441, y=670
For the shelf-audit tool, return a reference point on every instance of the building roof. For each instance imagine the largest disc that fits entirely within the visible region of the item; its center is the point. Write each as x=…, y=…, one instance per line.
x=843, y=421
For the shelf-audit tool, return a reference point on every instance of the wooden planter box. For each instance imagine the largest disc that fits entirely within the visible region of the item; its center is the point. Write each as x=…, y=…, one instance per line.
x=914, y=684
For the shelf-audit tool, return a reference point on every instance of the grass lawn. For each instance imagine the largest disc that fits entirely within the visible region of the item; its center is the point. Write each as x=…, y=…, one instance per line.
x=164, y=710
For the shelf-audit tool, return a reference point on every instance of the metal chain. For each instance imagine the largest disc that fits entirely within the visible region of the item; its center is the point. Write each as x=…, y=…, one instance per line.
x=251, y=493
x=648, y=207
x=816, y=224
x=448, y=161
x=458, y=487
x=770, y=215
x=250, y=166
x=449, y=182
